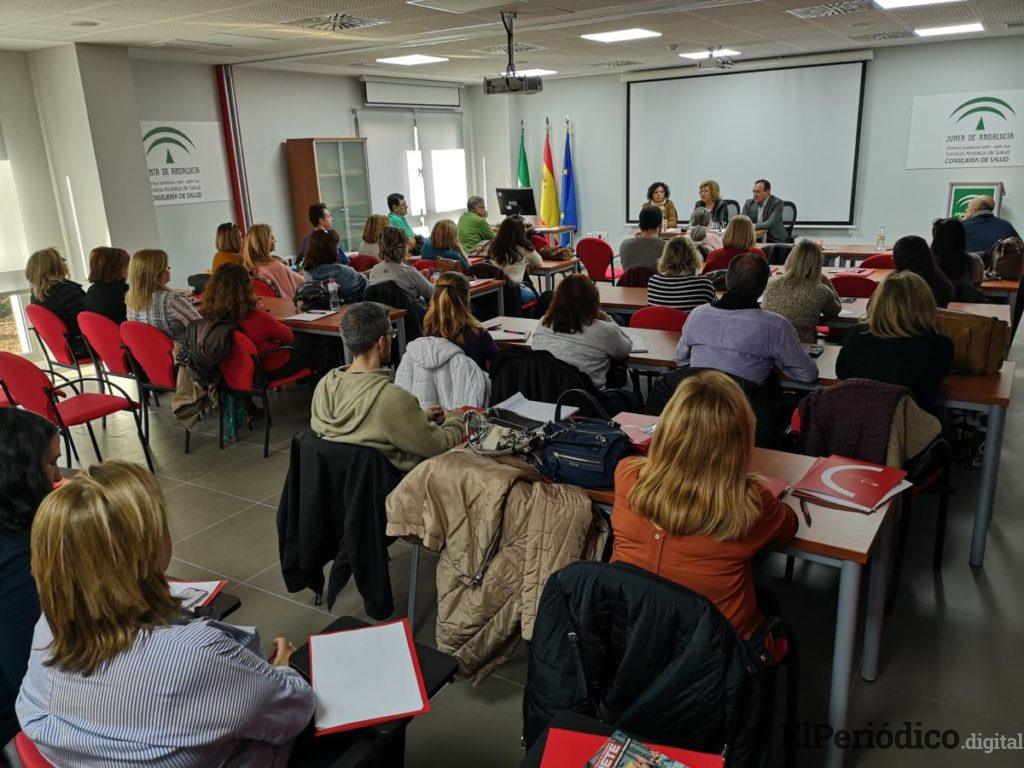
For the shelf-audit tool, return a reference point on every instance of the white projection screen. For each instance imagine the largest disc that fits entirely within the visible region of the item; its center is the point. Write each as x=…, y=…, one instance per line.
x=797, y=127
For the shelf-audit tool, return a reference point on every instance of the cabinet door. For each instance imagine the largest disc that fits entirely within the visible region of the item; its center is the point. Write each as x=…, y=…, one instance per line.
x=328, y=174
x=356, y=183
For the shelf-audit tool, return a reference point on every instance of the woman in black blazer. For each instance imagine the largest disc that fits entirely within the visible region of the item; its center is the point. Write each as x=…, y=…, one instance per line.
x=108, y=270
x=52, y=288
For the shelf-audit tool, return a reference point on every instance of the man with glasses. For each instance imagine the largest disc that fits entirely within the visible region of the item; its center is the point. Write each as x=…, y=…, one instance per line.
x=765, y=210
x=359, y=405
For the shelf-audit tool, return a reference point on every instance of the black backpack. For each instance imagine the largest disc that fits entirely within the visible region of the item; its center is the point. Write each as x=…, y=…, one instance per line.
x=206, y=344
x=312, y=294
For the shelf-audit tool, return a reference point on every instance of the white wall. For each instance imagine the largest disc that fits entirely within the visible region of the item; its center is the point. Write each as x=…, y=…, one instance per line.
x=905, y=201
x=488, y=137
x=187, y=92
x=275, y=106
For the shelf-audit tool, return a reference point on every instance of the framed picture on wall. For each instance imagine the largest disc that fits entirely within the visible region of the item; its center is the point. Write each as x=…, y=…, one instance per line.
x=961, y=193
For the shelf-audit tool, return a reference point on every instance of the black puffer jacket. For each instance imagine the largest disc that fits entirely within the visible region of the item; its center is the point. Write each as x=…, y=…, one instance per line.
x=659, y=661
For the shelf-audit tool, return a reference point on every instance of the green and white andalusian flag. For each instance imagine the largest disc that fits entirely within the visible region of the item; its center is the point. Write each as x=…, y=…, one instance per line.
x=524, y=166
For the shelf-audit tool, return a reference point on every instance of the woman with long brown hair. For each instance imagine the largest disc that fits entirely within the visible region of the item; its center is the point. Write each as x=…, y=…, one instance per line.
x=150, y=301
x=574, y=329
x=108, y=275
x=258, y=258
x=512, y=251
x=691, y=511
x=118, y=673
x=450, y=317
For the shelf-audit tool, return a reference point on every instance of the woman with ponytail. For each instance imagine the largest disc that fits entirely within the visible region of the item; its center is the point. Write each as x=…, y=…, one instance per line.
x=449, y=317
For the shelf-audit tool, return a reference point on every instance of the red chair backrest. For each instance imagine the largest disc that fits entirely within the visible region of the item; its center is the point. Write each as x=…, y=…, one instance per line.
x=28, y=754
x=539, y=243
x=879, y=261
x=426, y=265
x=659, y=318
x=363, y=263
x=153, y=350
x=596, y=256
x=52, y=331
x=238, y=369
x=104, y=338
x=260, y=288
x=857, y=286
x=27, y=385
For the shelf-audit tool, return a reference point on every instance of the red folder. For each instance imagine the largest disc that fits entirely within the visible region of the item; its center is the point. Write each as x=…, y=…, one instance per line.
x=776, y=486
x=638, y=428
x=571, y=749
x=851, y=484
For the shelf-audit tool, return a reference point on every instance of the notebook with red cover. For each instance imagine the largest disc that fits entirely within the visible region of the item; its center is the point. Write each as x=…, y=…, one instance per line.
x=639, y=428
x=572, y=749
x=845, y=483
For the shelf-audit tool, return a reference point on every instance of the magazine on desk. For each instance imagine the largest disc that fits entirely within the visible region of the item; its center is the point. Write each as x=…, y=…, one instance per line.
x=849, y=484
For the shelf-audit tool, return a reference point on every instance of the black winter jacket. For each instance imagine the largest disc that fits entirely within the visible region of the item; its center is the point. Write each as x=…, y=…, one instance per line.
x=66, y=299
x=332, y=508
x=615, y=642
x=540, y=376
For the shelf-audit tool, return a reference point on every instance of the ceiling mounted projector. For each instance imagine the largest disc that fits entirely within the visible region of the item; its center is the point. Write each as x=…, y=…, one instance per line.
x=716, y=58
x=510, y=82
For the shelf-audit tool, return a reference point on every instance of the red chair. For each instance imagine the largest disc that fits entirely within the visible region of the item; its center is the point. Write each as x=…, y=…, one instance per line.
x=29, y=756
x=539, y=243
x=104, y=339
x=363, y=263
x=659, y=318
x=151, y=358
x=241, y=374
x=426, y=265
x=26, y=385
x=857, y=286
x=878, y=261
x=264, y=290
x=54, y=339
x=597, y=256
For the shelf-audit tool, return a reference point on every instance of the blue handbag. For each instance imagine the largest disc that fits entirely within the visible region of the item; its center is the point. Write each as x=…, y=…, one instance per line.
x=583, y=452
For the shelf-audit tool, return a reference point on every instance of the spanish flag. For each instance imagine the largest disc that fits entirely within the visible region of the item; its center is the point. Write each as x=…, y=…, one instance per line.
x=549, y=214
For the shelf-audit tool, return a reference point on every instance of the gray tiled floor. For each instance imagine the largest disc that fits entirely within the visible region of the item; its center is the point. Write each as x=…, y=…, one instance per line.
x=951, y=653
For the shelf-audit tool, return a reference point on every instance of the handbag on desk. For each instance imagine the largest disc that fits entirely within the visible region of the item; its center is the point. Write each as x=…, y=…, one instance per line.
x=979, y=343
x=580, y=451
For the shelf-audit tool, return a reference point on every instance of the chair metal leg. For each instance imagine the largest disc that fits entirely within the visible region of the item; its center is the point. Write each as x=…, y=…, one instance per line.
x=67, y=447
x=790, y=562
x=220, y=423
x=940, y=521
x=899, y=554
x=95, y=445
x=73, y=449
x=145, y=443
x=414, y=572
x=188, y=440
x=266, y=425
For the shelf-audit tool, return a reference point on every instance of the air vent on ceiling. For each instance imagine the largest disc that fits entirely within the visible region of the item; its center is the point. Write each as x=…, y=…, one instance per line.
x=879, y=37
x=615, y=64
x=1015, y=24
x=501, y=50
x=831, y=9
x=336, y=22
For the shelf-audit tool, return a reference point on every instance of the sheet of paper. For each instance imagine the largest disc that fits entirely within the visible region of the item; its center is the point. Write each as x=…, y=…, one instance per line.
x=639, y=345
x=491, y=325
x=532, y=409
x=365, y=676
x=313, y=314
x=848, y=313
x=516, y=336
x=195, y=593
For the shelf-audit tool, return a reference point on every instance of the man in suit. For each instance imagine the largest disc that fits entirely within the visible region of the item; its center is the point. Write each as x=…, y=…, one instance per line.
x=983, y=228
x=765, y=210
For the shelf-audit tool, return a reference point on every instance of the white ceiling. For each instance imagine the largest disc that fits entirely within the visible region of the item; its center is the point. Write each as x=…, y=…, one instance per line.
x=265, y=33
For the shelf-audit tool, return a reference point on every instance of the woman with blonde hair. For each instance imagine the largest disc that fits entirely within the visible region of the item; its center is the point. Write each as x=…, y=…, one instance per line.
x=443, y=243
x=118, y=673
x=47, y=274
x=370, y=244
x=711, y=200
x=899, y=343
x=394, y=246
x=450, y=317
x=738, y=238
x=257, y=250
x=150, y=301
x=229, y=245
x=691, y=511
x=802, y=294
x=679, y=283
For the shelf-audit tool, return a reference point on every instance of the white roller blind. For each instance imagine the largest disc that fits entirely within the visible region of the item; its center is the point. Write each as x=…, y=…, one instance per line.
x=13, y=245
x=444, y=162
x=389, y=136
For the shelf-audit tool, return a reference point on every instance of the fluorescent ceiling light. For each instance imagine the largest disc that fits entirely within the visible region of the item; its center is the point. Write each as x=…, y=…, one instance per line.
x=890, y=4
x=698, y=55
x=956, y=29
x=531, y=73
x=412, y=60
x=620, y=35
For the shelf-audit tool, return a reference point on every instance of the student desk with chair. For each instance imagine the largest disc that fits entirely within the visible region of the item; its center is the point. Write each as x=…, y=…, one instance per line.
x=549, y=268
x=850, y=542
x=328, y=325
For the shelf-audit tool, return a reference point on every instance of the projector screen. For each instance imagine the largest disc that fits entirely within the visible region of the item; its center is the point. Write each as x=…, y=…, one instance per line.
x=797, y=127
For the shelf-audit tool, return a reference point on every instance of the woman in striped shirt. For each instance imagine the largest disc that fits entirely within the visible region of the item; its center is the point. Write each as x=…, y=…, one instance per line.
x=678, y=283
x=118, y=676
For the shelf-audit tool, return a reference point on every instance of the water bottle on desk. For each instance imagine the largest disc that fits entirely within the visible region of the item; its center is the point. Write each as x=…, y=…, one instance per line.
x=332, y=291
x=880, y=238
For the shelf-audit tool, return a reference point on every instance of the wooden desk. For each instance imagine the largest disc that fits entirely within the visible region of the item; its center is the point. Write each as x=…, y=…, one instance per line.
x=848, y=254
x=282, y=309
x=548, y=269
x=621, y=300
x=486, y=287
x=551, y=232
x=848, y=541
x=854, y=310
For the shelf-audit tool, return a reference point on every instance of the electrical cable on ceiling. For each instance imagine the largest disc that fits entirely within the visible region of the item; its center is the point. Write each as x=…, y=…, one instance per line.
x=507, y=20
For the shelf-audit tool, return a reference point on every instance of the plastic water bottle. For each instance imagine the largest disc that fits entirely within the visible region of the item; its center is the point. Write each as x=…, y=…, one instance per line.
x=880, y=238
x=332, y=290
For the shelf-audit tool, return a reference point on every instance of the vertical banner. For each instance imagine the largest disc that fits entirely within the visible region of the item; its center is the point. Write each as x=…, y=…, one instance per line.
x=186, y=162
x=977, y=129
x=549, y=215
x=570, y=217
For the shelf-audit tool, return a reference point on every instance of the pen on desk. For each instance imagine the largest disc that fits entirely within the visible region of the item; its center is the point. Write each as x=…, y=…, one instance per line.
x=807, y=515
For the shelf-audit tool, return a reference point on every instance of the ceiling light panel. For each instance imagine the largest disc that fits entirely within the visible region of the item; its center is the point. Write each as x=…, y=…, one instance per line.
x=412, y=60
x=698, y=55
x=530, y=73
x=889, y=5
x=621, y=35
x=956, y=29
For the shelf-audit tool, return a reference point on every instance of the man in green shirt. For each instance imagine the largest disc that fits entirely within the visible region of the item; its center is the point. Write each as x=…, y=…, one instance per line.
x=473, y=226
x=397, y=208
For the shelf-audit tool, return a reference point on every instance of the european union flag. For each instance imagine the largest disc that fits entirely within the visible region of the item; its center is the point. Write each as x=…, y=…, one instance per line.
x=569, y=217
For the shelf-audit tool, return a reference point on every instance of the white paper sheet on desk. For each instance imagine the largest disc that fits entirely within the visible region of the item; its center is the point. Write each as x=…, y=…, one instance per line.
x=639, y=345
x=195, y=593
x=366, y=675
x=313, y=315
x=532, y=409
x=517, y=336
x=848, y=313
